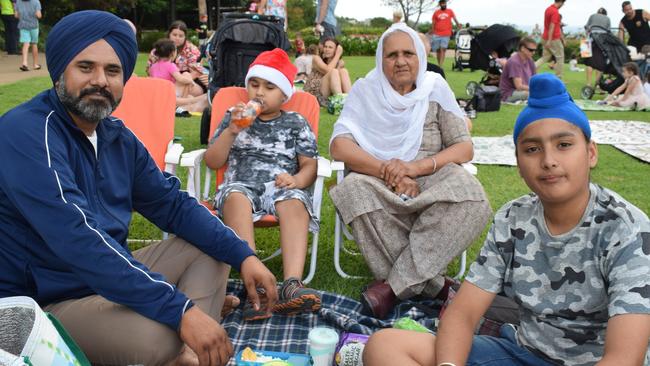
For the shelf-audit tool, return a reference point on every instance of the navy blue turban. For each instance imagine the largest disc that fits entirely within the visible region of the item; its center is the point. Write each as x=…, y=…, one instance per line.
x=74, y=32
x=548, y=98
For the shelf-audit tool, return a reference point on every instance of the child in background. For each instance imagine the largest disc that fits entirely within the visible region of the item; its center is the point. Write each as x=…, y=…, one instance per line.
x=573, y=64
x=253, y=6
x=271, y=164
x=300, y=45
x=165, y=68
x=573, y=255
x=632, y=89
x=304, y=61
x=189, y=96
x=28, y=13
x=646, y=84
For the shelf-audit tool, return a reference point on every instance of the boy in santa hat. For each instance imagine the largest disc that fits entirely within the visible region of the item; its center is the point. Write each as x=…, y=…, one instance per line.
x=271, y=164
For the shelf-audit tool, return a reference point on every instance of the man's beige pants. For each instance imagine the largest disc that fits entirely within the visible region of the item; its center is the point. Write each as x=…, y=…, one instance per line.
x=112, y=334
x=555, y=48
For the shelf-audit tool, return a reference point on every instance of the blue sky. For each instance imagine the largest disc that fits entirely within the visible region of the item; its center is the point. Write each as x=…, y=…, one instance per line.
x=486, y=12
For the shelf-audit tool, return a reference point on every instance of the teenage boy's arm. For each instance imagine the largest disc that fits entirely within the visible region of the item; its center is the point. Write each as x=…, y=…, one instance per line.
x=304, y=178
x=454, y=338
x=626, y=341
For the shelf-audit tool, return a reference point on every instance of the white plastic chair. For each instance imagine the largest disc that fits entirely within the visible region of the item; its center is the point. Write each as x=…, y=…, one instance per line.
x=341, y=230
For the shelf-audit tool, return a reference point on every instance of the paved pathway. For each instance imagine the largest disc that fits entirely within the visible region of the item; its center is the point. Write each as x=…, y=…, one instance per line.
x=10, y=72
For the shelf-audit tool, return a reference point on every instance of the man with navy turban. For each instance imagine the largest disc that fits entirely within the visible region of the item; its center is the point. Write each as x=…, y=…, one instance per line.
x=70, y=179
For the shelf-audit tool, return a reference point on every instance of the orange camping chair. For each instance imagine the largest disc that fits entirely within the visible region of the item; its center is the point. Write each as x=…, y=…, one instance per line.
x=148, y=109
x=301, y=102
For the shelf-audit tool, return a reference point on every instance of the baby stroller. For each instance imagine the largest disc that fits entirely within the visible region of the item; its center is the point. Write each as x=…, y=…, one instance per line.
x=608, y=54
x=234, y=46
x=463, y=49
x=503, y=40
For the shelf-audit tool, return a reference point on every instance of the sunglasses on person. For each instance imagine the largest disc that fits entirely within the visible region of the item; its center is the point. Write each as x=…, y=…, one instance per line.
x=533, y=50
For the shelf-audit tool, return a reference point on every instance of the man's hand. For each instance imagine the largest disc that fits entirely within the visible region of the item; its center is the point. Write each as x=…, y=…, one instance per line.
x=206, y=338
x=254, y=274
x=284, y=180
x=408, y=186
x=392, y=171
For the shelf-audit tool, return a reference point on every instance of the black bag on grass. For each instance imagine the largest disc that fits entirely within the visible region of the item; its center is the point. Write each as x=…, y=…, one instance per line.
x=487, y=99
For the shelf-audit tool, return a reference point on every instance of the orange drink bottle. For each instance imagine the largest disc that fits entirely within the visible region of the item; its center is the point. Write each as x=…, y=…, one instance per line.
x=245, y=117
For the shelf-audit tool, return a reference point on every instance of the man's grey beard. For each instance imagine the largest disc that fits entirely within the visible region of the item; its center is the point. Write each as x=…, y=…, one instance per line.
x=91, y=110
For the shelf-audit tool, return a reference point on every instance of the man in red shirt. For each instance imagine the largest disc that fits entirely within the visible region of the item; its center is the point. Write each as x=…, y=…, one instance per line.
x=442, y=29
x=552, y=40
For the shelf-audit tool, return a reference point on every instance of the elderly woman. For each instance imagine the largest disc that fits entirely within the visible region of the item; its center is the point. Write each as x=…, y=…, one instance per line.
x=411, y=206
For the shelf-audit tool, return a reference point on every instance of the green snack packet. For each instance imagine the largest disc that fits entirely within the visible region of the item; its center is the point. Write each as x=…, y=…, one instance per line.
x=410, y=324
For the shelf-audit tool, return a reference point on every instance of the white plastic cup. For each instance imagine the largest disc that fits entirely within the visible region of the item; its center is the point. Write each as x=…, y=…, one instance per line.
x=322, y=345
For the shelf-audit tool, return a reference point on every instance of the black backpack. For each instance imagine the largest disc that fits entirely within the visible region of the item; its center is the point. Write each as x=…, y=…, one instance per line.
x=487, y=99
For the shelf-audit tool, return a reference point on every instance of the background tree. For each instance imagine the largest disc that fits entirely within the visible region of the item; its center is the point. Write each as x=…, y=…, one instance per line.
x=301, y=14
x=411, y=9
x=380, y=22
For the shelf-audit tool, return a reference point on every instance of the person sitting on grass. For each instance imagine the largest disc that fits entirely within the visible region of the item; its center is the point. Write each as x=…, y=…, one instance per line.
x=72, y=178
x=328, y=73
x=271, y=164
x=517, y=72
x=632, y=89
x=189, y=95
x=575, y=256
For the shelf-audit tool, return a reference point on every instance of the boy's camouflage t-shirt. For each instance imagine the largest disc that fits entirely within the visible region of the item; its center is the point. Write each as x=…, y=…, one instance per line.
x=268, y=148
x=569, y=285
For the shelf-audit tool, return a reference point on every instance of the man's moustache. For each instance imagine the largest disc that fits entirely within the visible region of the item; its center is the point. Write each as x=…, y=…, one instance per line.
x=94, y=90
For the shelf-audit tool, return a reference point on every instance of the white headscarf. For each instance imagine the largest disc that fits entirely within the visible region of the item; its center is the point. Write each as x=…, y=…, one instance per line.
x=383, y=122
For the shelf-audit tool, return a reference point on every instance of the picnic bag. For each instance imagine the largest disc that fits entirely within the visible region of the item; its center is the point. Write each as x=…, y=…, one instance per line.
x=487, y=98
x=29, y=336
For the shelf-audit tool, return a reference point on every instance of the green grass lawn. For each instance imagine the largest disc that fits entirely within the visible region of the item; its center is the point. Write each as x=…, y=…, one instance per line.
x=616, y=170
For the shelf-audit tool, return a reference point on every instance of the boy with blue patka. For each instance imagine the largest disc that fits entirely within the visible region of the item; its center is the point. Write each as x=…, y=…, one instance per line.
x=573, y=255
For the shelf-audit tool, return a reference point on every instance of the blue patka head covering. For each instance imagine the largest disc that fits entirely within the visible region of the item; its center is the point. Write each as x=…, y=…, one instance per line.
x=76, y=31
x=548, y=98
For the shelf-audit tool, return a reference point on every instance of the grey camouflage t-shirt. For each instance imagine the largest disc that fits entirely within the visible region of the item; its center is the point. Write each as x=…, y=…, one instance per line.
x=268, y=148
x=569, y=285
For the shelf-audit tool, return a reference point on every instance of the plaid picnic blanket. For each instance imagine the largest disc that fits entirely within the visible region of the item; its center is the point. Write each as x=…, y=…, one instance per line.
x=289, y=333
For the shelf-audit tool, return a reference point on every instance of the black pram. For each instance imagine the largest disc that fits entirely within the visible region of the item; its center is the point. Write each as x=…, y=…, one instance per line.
x=503, y=40
x=608, y=54
x=239, y=39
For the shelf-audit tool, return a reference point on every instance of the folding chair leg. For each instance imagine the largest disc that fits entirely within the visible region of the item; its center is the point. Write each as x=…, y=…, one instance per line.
x=463, y=264
x=275, y=254
x=314, y=255
x=338, y=244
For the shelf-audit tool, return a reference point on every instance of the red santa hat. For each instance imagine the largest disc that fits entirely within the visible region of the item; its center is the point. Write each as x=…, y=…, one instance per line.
x=274, y=66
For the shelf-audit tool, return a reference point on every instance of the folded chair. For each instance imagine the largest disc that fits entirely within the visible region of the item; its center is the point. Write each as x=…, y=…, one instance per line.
x=341, y=230
x=301, y=102
x=148, y=109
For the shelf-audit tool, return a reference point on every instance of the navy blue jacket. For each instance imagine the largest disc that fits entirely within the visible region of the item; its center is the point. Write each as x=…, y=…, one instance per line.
x=64, y=214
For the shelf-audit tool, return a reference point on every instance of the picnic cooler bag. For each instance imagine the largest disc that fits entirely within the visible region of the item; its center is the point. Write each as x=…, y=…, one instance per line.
x=29, y=336
x=487, y=98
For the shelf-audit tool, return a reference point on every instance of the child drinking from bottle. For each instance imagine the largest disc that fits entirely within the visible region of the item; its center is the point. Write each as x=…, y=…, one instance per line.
x=271, y=163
